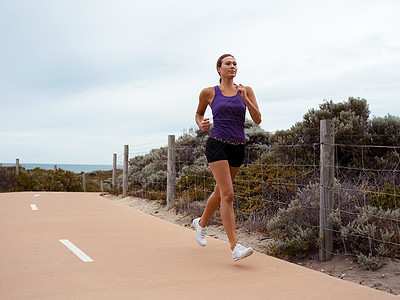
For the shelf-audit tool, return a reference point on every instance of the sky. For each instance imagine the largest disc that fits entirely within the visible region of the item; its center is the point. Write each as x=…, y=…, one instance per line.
x=79, y=79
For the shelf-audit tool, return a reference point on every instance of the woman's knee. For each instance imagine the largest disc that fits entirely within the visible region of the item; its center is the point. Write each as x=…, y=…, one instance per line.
x=227, y=196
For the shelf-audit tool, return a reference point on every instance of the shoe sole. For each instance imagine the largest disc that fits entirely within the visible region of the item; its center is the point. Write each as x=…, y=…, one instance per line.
x=247, y=254
x=194, y=225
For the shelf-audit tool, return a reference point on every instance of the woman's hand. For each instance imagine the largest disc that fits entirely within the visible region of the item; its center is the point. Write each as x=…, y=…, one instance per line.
x=205, y=124
x=241, y=89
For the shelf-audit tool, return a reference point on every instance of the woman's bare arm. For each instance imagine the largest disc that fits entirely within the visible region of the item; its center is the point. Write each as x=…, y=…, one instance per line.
x=205, y=99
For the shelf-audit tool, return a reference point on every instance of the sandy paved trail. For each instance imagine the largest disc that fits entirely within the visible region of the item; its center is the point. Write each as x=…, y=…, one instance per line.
x=136, y=256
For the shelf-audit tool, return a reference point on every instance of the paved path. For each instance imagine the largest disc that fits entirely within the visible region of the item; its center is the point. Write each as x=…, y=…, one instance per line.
x=136, y=256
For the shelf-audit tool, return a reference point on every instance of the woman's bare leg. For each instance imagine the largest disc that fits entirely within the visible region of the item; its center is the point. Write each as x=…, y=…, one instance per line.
x=211, y=206
x=214, y=201
x=223, y=176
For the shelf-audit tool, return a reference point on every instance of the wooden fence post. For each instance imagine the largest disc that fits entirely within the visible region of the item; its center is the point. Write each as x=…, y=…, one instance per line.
x=114, y=174
x=327, y=160
x=17, y=166
x=171, y=172
x=84, y=181
x=125, y=170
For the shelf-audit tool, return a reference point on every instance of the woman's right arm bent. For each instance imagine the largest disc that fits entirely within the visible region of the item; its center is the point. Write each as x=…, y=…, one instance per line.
x=205, y=99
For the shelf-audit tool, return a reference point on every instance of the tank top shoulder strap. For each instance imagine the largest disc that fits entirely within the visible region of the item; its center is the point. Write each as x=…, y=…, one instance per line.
x=217, y=90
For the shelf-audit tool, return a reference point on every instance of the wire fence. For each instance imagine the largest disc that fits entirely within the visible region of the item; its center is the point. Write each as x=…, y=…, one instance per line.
x=299, y=173
x=366, y=189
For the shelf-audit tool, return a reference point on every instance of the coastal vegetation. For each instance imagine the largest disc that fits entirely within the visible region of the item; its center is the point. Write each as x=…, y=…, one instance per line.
x=59, y=180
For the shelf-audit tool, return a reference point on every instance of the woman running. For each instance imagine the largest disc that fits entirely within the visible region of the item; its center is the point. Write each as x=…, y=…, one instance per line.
x=225, y=148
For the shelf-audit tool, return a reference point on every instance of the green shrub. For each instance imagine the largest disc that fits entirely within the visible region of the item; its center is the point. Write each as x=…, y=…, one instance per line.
x=7, y=180
x=371, y=231
x=48, y=180
x=366, y=231
x=194, y=186
x=158, y=195
x=292, y=231
x=266, y=185
x=370, y=262
x=387, y=197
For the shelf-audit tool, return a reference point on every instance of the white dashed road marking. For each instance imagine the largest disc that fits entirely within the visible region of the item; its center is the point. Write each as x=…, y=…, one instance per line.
x=34, y=207
x=78, y=252
x=36, y=195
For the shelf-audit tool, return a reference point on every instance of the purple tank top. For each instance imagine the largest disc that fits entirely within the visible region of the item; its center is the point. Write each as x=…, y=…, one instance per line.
x=229, y=114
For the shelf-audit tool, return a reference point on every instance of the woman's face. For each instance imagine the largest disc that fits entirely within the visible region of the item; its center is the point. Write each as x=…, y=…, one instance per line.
x=228, y=67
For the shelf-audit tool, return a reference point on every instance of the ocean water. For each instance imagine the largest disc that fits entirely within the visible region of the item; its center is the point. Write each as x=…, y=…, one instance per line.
x=67, y=167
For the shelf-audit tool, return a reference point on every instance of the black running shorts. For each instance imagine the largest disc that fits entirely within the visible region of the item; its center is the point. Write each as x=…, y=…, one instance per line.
x=218, y=150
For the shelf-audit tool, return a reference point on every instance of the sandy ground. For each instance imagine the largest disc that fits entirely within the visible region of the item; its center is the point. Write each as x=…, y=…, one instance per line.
x=341, y=266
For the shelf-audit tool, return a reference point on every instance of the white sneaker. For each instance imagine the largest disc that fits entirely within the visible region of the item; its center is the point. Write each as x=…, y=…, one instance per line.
x=200, y=232
x=241, y=252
